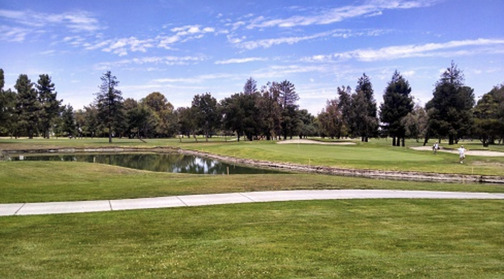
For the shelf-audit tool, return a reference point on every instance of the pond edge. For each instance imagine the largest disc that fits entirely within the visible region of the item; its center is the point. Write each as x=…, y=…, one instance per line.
x=367, y=173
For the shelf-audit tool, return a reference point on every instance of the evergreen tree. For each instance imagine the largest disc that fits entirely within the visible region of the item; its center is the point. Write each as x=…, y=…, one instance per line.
x=363, y=115
x=397, y=103
x=250, y=87
x=27, y=105
x=69, y=125
x=345, y=106
x=450, y=107
x=109, y=104
x=489, y=116
x=49, y=104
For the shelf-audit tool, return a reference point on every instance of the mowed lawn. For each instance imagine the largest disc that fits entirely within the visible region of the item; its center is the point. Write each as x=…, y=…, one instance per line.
x=35, y=181
x=382, y=238
x=311, y=239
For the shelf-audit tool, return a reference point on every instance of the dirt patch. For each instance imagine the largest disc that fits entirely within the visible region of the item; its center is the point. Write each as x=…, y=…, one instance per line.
x=305, y=141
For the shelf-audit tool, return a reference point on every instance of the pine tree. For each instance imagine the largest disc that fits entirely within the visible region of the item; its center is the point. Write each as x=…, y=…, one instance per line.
x=397, y=103
x=109, y=104
x=49, y=104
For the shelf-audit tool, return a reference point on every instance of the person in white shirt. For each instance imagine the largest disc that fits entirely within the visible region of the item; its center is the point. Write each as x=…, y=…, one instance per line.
x=461, y=151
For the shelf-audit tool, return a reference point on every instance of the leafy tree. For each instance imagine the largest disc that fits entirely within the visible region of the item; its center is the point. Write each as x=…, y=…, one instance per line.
x=287, y=97
x=166, y=125
x=206, y=115
x=415, y=123
x=186, y=121
x=450, y=107
x=92, y=123
x=308, y=125
x=270, y=112
x=489, y=116
x=331, y=120
x=250, y=87
x=240, y=114
x=397, y=103
x=27, y=105
x=49, y=104
x=109, y=104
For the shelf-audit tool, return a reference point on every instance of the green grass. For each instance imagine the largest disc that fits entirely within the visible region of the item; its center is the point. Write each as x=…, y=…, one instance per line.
x=32, y=181
x=312, y=239
x=377, y=154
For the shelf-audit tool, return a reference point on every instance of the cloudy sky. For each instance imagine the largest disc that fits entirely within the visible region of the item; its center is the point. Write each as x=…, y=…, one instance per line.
x=182, y=48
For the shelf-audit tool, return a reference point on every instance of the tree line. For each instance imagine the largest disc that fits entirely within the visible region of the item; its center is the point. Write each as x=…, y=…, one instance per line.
x=269, y=112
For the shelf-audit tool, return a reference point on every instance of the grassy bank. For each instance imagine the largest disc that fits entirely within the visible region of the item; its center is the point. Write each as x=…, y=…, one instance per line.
x=29, y=181
x=315, y=239
x=378, y=154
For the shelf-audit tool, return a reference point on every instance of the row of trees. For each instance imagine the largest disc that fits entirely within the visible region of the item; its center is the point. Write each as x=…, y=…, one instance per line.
x=269, y=112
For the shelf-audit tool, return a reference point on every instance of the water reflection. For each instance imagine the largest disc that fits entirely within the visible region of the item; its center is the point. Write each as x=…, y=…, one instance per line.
x=166, y=162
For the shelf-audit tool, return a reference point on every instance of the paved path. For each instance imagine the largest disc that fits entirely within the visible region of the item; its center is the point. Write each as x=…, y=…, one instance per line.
x=230, y=198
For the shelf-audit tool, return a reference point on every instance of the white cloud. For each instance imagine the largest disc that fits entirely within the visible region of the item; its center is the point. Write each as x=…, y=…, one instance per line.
x=407, y=51
x=267, y=43
x=239, y=60
x=74, y=21
x=183, y=34
x=13, y=34
x=156, y=60
x=329, y=16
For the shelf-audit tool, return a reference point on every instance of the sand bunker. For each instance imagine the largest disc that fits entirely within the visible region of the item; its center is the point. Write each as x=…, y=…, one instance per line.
x=305, y=141
x=468, y=152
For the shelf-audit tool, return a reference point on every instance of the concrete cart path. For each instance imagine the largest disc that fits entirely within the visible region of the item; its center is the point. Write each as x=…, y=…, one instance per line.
x=229, y=198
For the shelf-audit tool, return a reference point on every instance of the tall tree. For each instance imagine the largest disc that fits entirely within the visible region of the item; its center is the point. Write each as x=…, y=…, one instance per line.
x=49, y=104
x=69, y=125
x=109, y=104
x=330, y=119
x=308, y=125
x=240, y=114
x=186, y=121
x=27, y=105
x=363, y=118
x=397, y=103
x=450, y=107
x=345, y=106
x=270, y=112
x=250, y=86
x=489, y=116
x=163, y=112
x=415, y=123
x=205, y=113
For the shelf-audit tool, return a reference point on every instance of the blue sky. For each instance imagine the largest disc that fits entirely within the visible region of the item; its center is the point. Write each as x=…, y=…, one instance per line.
x=183, y=48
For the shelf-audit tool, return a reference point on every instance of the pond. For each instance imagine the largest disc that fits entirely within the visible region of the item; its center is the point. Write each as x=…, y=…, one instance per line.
x=162, y=162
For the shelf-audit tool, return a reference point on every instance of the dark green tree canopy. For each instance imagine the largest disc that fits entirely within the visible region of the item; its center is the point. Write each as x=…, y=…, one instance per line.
x=450, y=107
x=397, y=103
x=27, y=105
x=50, y=106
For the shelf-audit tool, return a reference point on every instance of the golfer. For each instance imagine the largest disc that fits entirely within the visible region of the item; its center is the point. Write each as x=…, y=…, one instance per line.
x=461, y=151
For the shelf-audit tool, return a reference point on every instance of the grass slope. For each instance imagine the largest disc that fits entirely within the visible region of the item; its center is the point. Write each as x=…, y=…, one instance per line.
x=31, y=181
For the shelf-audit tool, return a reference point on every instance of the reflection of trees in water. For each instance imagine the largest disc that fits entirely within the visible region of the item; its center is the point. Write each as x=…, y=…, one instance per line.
x=164, y=162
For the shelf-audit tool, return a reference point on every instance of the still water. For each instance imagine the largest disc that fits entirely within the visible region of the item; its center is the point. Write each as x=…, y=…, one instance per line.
x=166, y=162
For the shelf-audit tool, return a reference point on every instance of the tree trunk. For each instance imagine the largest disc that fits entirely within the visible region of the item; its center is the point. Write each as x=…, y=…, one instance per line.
x=110, y=134
x=403, y=142
x=393, y=141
